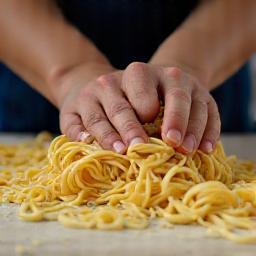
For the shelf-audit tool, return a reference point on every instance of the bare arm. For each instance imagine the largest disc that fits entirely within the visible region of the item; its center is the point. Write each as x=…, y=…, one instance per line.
x=93, y=98
x=39, y=45
x=218, y=37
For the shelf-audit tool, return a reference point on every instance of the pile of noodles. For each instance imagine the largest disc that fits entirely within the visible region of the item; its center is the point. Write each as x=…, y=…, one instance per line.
x=83, y=186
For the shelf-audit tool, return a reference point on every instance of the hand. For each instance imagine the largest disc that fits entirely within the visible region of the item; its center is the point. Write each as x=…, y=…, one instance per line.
x=112, y=106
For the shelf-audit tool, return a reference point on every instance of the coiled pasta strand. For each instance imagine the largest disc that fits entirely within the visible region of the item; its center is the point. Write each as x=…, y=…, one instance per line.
x=83, y=186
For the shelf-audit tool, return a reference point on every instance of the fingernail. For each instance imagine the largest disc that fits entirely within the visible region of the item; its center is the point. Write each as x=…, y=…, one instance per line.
x=119, y=146
x=136, y=140
x=207, y=146
x=84, y=137
x=189, y=143
x=174, y=136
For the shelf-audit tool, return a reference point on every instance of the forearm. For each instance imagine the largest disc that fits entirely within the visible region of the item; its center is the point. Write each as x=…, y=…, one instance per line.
x=40, y=46
x=213, y=42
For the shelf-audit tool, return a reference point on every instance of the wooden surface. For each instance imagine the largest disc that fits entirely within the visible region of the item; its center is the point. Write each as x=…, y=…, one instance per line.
x=50, y=238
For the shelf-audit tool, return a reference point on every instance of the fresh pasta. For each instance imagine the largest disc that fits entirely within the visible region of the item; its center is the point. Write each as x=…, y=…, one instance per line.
x=83, y=186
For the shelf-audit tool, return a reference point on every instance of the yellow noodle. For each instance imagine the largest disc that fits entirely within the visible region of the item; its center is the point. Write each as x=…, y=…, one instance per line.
x=83, y=186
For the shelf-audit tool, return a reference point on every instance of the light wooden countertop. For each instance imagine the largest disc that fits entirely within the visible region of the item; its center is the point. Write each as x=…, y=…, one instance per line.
x=51, y=238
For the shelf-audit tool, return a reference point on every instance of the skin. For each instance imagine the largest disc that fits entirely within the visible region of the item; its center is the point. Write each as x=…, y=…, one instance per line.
x=95, y=99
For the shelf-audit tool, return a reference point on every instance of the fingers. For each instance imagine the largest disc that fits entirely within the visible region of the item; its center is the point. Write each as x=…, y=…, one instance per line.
x=120, y=112
x=213, y=127
x=177, y=106
x=191, y=117
x=85, y=137
x=104, y=114
x=71, y=125
x=97, y=124
x=196, y=125
x=140, y=86
x=108, y=109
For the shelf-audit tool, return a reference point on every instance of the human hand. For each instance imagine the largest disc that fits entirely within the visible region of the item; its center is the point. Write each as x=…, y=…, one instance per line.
x=110, y=105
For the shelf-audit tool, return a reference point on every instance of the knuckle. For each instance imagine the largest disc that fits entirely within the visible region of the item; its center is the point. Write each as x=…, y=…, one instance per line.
x=200, y=104
x=178, y=116
x=136, y=67
x=73, y=131
x=196, y=124
x=118, y=108
x=213, y=133
x=106, y=137
x=130, y=125
x=106, y=79
x=180, y=94
x=173, y=72
x=92, y=119
x=195, y=127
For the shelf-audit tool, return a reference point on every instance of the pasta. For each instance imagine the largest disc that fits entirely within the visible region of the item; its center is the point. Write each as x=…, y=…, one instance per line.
x=83, y=186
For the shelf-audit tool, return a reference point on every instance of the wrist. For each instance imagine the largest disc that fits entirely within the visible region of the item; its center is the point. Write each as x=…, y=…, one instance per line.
x=82, y=73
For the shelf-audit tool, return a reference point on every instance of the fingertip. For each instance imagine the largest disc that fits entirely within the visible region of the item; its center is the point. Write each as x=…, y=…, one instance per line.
x=84, y=137
x=207, y=146
x=173, y=137
x=133, y=133
x=136, y=140
x=189, y=143
x=182, y=150
x=119, y=147
x=73, y=132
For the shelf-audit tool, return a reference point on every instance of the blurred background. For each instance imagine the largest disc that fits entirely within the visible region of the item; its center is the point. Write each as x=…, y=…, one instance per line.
x=253, y=68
